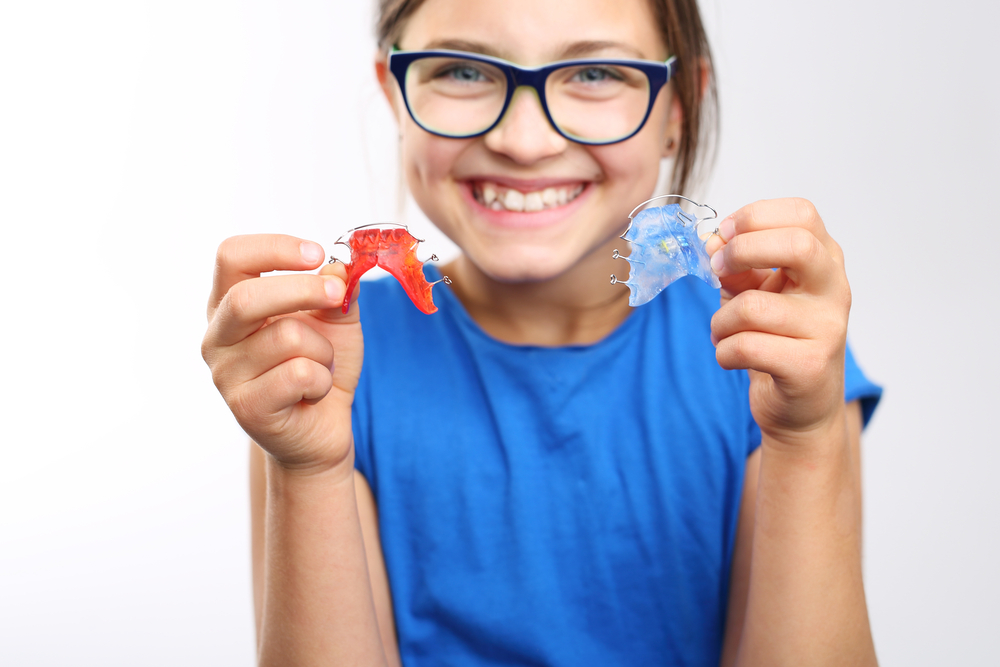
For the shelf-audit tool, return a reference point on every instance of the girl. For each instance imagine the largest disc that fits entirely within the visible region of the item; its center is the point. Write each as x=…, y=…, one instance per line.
x=539, y=474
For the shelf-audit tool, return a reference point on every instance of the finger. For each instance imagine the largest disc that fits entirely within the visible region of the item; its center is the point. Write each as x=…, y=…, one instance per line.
x=281, y=340
x=240, y=258
x=782, y=315
x=778, y=356
x=248, y=304
x=259, y=402
x=796, y=250
x=712, y=242
x=764, y=280
x=339, y=270
x=734, y=284
x=741, y=282
x=777, y=214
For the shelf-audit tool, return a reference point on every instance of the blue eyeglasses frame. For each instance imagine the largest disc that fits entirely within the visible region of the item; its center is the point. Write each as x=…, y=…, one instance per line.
x=658, y=74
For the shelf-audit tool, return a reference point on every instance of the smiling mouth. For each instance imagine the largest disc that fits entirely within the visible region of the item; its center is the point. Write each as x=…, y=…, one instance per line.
x=500, y=198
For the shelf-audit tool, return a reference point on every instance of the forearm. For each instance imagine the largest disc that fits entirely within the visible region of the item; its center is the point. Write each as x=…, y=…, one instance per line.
x=318, y=606
x=806, y=603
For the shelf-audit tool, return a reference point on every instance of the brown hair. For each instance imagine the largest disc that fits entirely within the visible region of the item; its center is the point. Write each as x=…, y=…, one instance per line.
x=694, y=84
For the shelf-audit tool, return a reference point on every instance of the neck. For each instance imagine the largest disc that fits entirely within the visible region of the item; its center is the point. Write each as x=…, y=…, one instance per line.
x=578, y=307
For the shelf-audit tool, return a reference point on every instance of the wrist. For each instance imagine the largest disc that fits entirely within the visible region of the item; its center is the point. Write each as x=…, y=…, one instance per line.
x=327, y=469
x=826, y=436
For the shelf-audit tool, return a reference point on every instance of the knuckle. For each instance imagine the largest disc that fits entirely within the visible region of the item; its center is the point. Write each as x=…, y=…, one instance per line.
x=742, y=349
x=717, y=321
x=238, y=300
x=244, y=405
x=836, y=251
x=804, y=245
x=750, y=221
x=733, y=352
x=805, y=209
x=300, y=371
x=207, y=350
x=319, y=285
x=733, y=251
x=750, y=306
x=288, y=333
x=722, y=355
x=228, y=251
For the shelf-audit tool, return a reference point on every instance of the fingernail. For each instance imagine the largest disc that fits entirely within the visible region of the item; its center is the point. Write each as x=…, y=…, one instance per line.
x=718, y=262
x=715, y=341
x=333, y=290
x=311, y=252
x=727, y=230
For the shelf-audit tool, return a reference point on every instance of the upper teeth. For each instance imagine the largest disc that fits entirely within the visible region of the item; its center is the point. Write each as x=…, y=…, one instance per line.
x=499, y=198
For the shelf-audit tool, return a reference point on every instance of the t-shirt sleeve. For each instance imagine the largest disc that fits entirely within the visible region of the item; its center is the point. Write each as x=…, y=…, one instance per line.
x=857, y=387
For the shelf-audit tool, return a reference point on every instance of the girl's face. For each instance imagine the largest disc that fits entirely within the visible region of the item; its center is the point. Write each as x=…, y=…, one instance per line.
x=591, y=189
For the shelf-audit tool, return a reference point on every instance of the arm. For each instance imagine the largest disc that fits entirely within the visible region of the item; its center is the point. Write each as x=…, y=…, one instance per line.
x=740, y=576
x=317, y=603
x=376, y=569
x=799, y=540
x=369, y=529
x=271, y=344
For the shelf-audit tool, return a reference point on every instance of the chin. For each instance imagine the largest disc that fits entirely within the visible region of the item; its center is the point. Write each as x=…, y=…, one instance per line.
x=522, y=267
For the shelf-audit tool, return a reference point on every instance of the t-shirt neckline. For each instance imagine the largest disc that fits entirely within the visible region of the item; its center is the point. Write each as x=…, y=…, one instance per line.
x=455, y=309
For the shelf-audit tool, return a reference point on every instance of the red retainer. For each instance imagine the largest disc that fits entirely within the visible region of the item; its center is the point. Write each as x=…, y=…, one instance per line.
x=395, y=250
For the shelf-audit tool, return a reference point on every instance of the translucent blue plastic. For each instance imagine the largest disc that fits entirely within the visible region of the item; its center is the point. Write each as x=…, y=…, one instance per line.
x=664, y=247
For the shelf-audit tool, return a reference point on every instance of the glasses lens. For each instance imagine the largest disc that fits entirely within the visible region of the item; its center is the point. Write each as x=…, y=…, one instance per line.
x=454, y=96
x=598, y=102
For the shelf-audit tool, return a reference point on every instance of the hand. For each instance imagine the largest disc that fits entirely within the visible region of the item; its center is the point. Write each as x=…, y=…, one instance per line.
x=789, y=326
x=283, y=356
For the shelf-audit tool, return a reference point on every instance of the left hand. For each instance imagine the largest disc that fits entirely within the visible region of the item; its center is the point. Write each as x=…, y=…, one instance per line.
x=788, y=326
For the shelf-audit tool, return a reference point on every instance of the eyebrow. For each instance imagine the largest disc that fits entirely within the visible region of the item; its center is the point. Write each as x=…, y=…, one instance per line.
x=582, y=49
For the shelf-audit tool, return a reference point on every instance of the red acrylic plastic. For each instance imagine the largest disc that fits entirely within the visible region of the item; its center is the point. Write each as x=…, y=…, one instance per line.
x=395, y=250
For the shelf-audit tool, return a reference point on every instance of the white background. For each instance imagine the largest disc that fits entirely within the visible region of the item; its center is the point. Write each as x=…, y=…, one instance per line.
x=135, y=136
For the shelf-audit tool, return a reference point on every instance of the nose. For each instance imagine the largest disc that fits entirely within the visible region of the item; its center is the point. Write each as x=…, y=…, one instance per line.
x=524, y=134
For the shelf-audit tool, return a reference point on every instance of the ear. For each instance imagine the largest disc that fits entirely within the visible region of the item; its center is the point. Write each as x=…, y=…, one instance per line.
x=385, y=79
x=675, y=117
x=704, y=75
x=672, y=134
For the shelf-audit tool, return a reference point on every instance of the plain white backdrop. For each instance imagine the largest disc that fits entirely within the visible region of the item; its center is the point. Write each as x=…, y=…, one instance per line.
x=136, y=135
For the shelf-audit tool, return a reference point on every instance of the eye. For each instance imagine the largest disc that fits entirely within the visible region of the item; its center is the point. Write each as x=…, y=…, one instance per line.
x=596, y=74
x=462, y=73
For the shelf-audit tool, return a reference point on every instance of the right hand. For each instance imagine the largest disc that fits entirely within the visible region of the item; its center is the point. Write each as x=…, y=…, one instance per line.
x=272, y=342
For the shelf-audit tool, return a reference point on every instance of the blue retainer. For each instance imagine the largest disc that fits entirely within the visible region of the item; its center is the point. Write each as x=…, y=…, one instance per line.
x=664, y=247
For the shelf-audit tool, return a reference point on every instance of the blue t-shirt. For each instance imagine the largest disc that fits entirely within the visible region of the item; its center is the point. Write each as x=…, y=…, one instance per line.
x=555, y=506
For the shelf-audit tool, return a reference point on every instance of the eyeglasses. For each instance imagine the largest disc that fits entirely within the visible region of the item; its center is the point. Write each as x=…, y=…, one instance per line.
x=589, y=101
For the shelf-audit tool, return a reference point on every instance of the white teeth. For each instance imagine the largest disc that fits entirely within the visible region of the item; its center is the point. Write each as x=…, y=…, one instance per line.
x=489, y=194
x=513, y=201
x=499, y=198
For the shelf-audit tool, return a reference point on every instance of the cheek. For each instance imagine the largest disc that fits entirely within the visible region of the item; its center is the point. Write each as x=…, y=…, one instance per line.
x=427, y=160
x=631, y=167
